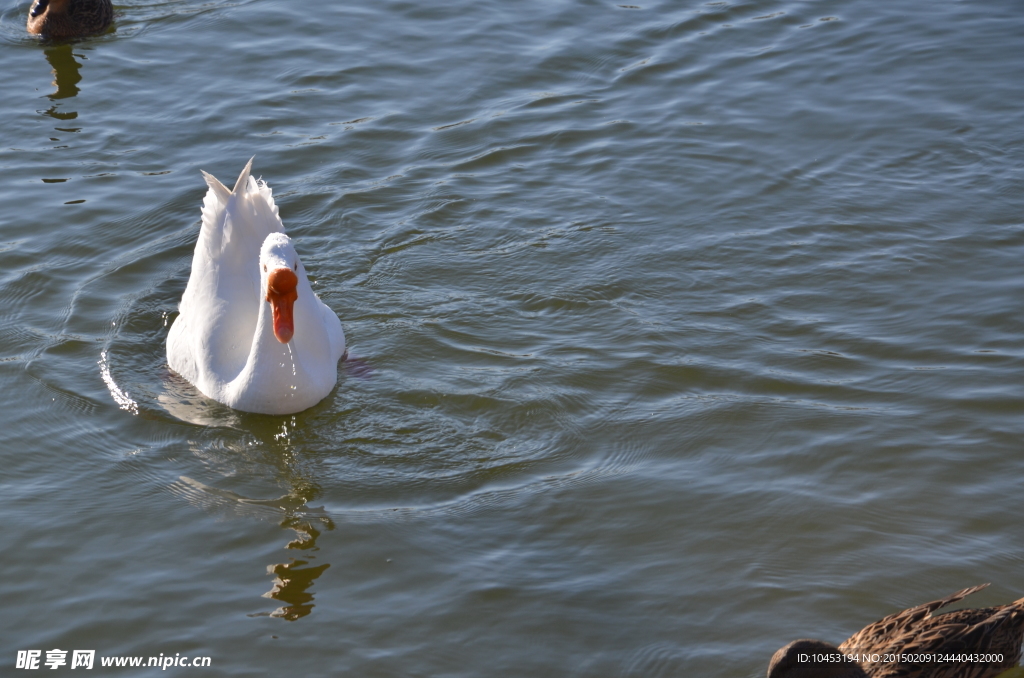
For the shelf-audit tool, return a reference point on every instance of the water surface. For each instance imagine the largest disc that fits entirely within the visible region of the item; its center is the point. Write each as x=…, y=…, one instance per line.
x=684, y=330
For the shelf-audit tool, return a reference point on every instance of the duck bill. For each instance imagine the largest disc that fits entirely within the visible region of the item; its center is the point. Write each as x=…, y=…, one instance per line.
x=282, y=293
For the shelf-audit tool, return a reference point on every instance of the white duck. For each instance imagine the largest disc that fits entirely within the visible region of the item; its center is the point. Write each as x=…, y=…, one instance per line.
x=250, y=332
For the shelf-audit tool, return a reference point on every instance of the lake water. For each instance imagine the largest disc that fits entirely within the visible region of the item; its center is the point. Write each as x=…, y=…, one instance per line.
x=681, y=330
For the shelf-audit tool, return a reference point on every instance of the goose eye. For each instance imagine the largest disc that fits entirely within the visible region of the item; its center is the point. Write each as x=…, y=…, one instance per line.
x=264, y=268
x=295, y=266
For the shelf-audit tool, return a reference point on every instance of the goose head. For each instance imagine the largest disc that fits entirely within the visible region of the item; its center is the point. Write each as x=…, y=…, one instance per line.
x=279, y=282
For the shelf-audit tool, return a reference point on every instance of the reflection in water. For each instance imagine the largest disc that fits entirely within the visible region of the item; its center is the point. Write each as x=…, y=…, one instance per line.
x=292, y=579
x=66, y=77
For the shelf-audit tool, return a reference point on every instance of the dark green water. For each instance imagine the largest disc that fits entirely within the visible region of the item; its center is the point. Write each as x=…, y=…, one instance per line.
x=684, y=330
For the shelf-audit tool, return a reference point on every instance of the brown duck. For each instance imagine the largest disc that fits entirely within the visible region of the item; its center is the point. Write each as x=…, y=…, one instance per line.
x=988, y=631
x=69, y=18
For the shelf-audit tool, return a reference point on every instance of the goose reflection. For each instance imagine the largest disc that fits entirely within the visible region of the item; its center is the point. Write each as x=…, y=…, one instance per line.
x=293, y=579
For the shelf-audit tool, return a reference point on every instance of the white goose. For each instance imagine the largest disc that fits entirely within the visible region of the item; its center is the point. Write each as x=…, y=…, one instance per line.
x=250, y=332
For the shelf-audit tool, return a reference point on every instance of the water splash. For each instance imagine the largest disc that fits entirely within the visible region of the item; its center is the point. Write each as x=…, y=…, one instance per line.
x=294, y=370
x=123, y=400
x=283, y=436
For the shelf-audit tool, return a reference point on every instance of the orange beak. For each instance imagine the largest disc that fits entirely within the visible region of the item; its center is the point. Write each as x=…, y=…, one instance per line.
x=281, y=294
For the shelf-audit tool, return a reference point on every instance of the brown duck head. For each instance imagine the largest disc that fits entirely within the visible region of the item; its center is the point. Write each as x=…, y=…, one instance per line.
x=69, y=18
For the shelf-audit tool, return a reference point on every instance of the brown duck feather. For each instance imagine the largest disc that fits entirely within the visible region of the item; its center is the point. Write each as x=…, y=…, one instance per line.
x=987, y=631
x=69, y=18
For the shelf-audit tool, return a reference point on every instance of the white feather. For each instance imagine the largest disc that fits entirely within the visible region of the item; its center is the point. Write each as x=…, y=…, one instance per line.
x=223, y=340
